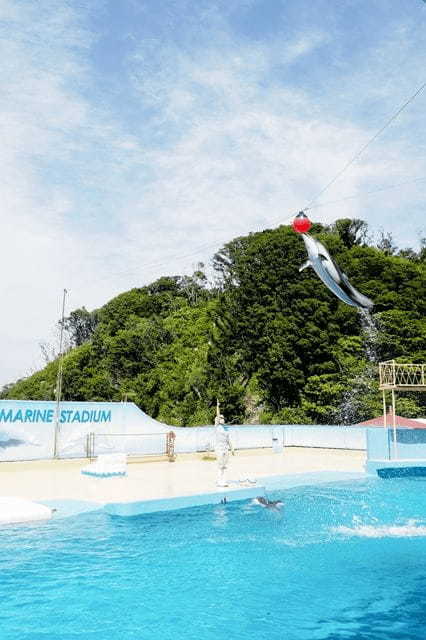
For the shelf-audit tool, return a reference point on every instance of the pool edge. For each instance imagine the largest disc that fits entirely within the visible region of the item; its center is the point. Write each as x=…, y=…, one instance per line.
x=126, y=508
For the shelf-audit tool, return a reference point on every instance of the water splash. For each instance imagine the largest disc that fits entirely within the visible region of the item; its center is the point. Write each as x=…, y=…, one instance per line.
x=351, y=407
x=370, y=332
x=409, y=530
x=350, y=410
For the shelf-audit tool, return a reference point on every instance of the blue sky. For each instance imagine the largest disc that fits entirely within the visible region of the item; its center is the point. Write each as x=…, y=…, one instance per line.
x=139, y=136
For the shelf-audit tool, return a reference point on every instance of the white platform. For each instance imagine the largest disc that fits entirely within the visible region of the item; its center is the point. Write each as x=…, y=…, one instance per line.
x=107, y=465
x=13, y=510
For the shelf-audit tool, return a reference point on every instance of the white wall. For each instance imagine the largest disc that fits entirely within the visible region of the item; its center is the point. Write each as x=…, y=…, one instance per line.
x=27, y=431
x=192, y=439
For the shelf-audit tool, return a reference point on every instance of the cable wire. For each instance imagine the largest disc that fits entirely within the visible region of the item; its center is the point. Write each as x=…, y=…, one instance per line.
x=367, y=144
x=164, y=262
x=365, y=193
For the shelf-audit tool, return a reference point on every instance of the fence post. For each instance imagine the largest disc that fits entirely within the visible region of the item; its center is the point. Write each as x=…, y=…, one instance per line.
x=91, y=445
x=170, y=446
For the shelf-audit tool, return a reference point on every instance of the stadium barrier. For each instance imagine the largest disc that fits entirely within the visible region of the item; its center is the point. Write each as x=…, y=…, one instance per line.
x=28, y=430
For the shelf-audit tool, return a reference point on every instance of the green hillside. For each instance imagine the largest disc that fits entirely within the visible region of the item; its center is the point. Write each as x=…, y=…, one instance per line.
x=273, y=344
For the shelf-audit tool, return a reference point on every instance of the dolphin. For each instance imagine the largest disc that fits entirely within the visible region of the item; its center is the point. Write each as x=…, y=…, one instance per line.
x=6, y=442
x=328, y=271
x=16, y=439
x=268, y=504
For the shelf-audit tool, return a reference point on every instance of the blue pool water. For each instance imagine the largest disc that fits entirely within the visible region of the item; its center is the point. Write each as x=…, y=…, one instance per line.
x=341, y=561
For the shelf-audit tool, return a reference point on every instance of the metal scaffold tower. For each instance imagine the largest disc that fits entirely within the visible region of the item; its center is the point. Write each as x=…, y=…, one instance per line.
x=394, y=377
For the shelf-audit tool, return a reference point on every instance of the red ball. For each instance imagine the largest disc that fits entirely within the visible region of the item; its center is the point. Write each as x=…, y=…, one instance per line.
x=301, y=223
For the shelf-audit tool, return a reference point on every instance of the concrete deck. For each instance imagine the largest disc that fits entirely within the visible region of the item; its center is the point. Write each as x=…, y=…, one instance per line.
x=150, y=479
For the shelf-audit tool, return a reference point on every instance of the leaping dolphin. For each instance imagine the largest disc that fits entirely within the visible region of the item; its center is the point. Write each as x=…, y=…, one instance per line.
x=328, y=271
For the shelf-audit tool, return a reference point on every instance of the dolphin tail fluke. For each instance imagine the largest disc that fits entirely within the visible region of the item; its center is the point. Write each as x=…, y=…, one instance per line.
x=304, y=265
x=360, y=300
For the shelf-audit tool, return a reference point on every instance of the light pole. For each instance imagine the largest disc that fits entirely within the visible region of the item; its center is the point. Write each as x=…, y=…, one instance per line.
x=58, y=390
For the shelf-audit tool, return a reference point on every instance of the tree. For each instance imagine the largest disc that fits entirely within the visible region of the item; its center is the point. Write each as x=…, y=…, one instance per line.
x=80, y=325
x=422, y=252
x=386, y=243
x=266, y=340
x=352, y=232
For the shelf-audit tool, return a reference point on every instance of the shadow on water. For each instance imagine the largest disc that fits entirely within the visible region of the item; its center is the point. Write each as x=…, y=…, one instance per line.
x=406, y=620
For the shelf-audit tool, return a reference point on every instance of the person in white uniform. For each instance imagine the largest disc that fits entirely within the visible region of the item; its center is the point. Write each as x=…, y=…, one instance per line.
x=222, y=448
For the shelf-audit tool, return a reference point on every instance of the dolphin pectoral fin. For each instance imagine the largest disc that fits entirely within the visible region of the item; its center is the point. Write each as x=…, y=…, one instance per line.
x=304, y=265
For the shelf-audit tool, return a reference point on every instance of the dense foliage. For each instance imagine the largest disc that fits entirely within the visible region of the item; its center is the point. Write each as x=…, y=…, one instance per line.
x=273, y=344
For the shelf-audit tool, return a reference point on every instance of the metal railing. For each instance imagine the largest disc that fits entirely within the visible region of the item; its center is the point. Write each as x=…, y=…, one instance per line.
x=393, y=375
x=133, y=444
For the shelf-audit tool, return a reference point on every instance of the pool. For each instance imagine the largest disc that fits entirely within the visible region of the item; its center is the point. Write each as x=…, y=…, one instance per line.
x=341, y=561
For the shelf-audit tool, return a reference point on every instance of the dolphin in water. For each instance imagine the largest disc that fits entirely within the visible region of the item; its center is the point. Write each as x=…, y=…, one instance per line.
x=328, y=271
x=268, y=504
